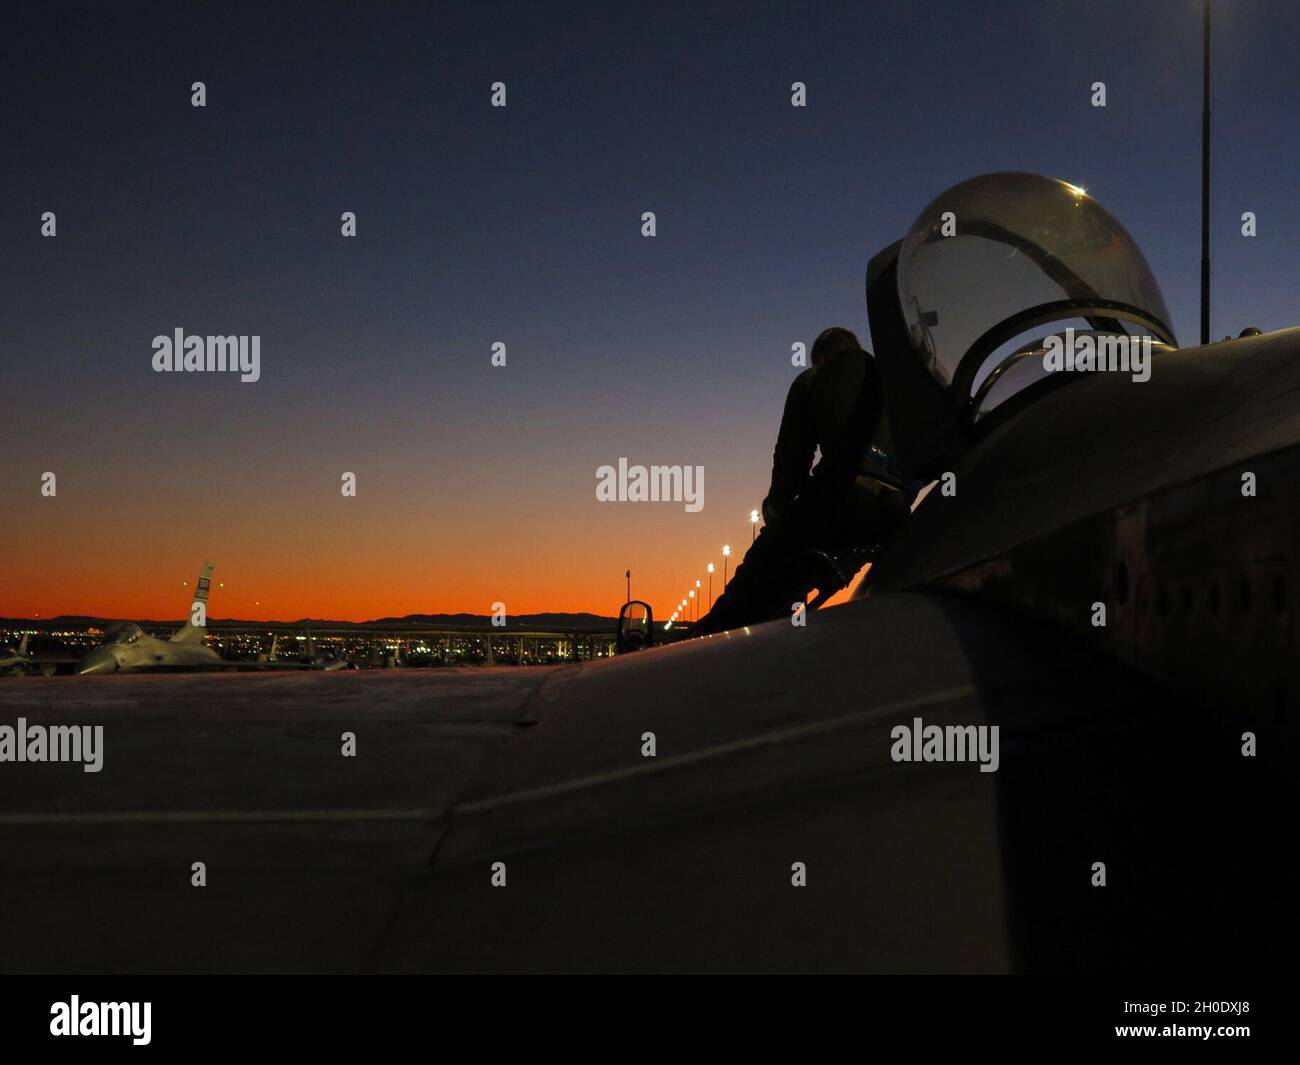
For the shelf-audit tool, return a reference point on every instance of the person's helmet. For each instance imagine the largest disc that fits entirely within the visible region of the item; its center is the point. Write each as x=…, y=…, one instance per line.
x=832, y=341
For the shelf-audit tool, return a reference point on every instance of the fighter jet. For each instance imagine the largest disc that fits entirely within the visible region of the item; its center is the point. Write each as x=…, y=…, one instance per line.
x=126, y=648
x=15, y=661
x=22, y=661
x=320, y=661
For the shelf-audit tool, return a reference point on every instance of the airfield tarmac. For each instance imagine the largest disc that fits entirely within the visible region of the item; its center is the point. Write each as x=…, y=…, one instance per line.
x=770, y=752
x=303, y=847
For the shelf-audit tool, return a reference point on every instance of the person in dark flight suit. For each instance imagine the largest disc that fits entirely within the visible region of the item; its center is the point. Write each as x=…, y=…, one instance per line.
x=852, y=498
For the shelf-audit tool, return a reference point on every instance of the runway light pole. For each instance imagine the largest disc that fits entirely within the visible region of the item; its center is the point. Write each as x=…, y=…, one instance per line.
x=1205, y=176
x=710, y=585
x=726, y=554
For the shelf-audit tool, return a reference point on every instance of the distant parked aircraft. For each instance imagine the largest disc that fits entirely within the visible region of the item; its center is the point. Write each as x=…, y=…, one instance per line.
x=125, y=647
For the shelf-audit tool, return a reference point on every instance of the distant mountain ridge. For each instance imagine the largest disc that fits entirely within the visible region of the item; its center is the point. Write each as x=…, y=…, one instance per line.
x=545, y=622
x=581, y=621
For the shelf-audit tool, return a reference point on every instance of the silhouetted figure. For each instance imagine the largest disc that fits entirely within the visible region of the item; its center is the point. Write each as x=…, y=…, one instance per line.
x=851, y=500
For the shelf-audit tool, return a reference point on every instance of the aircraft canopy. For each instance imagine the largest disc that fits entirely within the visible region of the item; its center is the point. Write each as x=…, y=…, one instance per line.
x=124, y=632
x=1002, y=254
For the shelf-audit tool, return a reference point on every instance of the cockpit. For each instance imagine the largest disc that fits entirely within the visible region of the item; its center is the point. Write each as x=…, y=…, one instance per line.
x=994, y=275
x=124, y=632
x=992, y=261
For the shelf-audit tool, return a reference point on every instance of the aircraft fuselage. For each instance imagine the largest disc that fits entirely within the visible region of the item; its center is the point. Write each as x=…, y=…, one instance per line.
x=149, y=652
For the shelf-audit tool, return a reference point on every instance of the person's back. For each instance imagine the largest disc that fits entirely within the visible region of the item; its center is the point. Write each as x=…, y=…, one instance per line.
x=796, y=444
x=845, y=406
x=853, y=499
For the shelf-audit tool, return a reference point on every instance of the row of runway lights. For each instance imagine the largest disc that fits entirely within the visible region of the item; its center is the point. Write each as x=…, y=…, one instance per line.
x=690, y=604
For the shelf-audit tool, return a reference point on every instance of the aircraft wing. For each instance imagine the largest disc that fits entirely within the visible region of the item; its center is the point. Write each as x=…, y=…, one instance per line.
x=773, y=746
x=772, y=749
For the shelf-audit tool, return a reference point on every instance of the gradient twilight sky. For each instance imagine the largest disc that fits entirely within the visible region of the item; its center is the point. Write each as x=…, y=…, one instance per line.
x=522, y=225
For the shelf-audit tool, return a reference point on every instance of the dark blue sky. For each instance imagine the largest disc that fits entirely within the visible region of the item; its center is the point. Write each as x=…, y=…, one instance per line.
x=522, y=225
